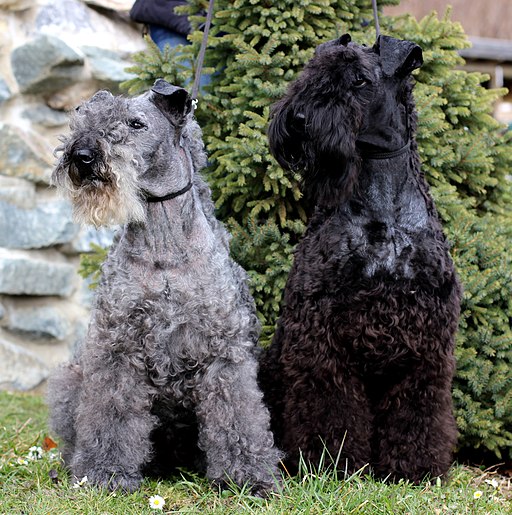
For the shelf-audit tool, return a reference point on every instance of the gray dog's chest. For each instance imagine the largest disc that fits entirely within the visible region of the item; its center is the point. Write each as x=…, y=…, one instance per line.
x=180, y=319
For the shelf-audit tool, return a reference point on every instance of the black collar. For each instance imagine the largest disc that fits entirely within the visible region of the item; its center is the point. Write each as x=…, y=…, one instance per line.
x=386, y=155
x=170, y=195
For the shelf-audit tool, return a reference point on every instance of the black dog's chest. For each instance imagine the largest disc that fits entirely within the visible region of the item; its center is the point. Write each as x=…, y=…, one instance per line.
x=385, y=224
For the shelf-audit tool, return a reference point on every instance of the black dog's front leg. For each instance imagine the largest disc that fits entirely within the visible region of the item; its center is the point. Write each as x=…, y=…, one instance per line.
x=415, y=432
x=326, y=422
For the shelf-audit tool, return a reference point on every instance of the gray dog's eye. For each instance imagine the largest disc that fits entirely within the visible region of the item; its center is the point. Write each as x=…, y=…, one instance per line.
x=136, y=124
x=360, y=83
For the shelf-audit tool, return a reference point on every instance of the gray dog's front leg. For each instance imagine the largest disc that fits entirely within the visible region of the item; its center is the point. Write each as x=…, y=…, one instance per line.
x=113, y=425
x=234, y=428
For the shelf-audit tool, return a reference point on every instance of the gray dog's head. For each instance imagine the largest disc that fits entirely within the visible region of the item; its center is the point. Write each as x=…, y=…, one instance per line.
x=122, y=150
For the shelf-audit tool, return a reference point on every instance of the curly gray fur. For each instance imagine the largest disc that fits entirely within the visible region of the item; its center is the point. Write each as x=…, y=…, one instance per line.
x=167, y=374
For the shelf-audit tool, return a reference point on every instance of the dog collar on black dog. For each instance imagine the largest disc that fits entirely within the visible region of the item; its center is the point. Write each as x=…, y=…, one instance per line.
x=386, y=155
x=170, y=195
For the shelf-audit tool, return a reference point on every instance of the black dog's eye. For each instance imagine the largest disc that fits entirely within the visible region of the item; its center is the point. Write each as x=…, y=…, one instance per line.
x=360, y=83
x=136, y=124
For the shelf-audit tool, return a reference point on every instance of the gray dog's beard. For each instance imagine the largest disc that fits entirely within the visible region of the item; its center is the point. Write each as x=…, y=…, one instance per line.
x=106, y=203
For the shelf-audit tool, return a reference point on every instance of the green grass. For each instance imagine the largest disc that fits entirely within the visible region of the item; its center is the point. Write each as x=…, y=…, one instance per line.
x=27, y=487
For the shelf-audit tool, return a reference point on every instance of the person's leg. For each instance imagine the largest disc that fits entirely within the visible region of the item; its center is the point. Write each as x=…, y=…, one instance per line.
x=162, y=36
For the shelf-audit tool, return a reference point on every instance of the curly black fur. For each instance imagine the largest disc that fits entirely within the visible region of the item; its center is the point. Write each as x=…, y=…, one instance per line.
x=362, y=361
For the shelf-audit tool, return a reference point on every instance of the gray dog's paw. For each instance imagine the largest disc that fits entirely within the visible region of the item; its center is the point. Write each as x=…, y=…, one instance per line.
x=111, y=481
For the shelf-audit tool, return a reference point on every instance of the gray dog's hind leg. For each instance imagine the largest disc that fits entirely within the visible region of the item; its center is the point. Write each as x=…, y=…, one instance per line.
x=113, y=425
x=234, y=427
x=64, y=388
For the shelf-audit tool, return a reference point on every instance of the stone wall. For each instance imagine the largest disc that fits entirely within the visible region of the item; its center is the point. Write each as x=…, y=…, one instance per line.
x=53, y=54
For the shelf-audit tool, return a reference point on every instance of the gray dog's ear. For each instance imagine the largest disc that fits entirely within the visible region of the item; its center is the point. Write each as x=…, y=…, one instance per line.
x=99, y=96
x=174, y=102
x=102, y=94
x=398, y=57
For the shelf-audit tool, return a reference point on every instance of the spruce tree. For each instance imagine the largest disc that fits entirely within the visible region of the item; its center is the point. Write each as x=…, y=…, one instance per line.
x=256, y=47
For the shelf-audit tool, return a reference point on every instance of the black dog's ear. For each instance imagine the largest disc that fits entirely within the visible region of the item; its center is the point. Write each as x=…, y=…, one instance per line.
x=398, y=57
x=286, y=136
x=174, y=102
x=314, y=143
x=344, y=40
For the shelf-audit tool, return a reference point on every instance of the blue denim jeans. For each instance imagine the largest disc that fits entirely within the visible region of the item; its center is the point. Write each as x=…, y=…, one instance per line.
x=162, y=36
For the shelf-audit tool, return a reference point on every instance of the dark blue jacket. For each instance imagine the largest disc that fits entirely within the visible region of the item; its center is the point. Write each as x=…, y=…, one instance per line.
x=161, y=12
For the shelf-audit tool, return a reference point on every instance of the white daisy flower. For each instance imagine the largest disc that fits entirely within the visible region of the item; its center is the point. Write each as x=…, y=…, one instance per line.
x=493, y=482
x=478, y=494
x=156, y=502
x=35, y=453
x=80, y=483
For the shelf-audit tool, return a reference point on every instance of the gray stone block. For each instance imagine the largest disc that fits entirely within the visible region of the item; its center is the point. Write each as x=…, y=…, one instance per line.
x=5, y=92
x=23, y=274
x=49, y=223
x=40, y=322
x=66, y=15
x=76, y=23
x=45, y=64
x=107, y=66
x=81, y=327
x=19, y=192
x=89, y=235
x=45, y=116
x=24, y=155
x=21, y=369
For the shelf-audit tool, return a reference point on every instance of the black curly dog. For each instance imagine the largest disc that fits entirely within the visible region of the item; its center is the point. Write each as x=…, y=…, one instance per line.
x=362, y=361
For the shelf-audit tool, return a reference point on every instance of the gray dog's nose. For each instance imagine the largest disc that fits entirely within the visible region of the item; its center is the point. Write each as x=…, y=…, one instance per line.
x=84, y=156
x=85, y=161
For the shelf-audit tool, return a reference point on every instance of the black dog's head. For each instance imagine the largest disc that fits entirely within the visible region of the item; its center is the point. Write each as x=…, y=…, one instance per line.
x=349, y=99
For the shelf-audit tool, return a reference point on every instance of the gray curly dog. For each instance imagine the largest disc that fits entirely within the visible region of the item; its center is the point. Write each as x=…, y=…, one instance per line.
x=166, y=376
